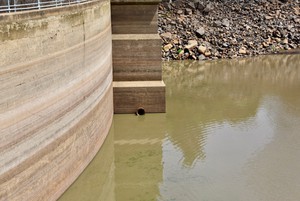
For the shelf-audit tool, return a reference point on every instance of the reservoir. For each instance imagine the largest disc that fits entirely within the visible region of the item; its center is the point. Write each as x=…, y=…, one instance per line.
x=231, y=132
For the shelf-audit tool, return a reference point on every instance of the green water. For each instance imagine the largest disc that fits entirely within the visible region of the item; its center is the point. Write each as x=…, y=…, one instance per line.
x=231, y=133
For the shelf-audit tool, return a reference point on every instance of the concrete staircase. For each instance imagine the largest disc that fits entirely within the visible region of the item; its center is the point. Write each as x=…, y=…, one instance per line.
x=136, y=52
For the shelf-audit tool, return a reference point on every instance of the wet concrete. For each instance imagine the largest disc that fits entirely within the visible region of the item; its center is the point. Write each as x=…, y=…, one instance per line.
x=231, y=132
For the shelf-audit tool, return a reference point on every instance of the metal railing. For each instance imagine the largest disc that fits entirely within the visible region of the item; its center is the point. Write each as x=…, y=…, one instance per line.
x=14, y=6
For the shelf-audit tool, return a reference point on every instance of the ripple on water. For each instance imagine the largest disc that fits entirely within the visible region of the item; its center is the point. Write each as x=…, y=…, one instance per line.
x=231, y=132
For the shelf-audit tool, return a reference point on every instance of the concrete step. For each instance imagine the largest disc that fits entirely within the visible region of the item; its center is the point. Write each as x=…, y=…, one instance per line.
x=134, y=16
x=136, y=57
x=129, y=96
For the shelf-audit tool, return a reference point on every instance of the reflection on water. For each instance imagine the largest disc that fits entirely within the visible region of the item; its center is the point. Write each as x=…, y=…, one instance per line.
x=231, y=132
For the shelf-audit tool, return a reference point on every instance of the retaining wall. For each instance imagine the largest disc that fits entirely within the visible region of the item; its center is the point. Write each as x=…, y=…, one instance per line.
x=56, y=101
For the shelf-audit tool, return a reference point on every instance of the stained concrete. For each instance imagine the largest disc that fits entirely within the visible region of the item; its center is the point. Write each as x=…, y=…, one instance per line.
x=56, y=101
x=129, y=96
x=136, y=57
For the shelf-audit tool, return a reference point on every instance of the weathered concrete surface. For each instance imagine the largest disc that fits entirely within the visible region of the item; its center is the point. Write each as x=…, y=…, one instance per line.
x=136, y=57
x=129, y=96
x=56, y=102
x=134, y=17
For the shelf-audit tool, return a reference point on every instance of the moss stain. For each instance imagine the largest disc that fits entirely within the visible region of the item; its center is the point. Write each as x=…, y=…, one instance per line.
x=18, y=30
x=73, y=19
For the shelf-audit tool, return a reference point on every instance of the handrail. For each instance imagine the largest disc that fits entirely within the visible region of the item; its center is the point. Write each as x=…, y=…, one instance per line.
x=13, y=6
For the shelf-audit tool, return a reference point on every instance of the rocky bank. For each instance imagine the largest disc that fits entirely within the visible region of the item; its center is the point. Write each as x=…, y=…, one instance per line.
x=212, y=29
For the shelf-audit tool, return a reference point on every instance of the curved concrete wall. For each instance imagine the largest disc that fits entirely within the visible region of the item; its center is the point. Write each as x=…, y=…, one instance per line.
x=56, y=102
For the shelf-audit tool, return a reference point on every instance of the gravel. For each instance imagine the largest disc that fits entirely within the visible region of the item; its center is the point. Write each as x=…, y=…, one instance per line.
x=214, y=29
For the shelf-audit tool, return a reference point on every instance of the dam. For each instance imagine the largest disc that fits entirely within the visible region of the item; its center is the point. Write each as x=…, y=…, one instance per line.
x=65, y=69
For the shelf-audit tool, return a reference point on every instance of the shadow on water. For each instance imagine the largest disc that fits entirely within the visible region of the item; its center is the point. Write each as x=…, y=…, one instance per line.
x=230, y=133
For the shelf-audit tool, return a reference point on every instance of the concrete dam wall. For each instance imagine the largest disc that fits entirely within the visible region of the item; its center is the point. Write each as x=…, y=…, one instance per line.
x=56, y=97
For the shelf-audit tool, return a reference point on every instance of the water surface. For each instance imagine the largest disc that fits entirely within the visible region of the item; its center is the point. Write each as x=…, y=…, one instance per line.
x=231, y=133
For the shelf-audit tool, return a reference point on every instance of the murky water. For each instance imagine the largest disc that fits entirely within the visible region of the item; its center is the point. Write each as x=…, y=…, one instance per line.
x=231, y=133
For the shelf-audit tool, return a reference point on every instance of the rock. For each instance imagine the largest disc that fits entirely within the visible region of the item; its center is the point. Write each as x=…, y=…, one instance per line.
x=188, y=11
x=167, y=47
x=207, y=53
x=175, y=41
x=297, y=20
x=191, y=44
x=247, y=27
x=208, y=8
x=297, y=11
x=278, y=40
x=166, y=35
x=202, y=49
x=233, y=56
x=193, y=57
x=293, y=46
x=217, y=54
x=201, y=57
x=225, y=22
x=225, y=45
x=267, y=17
x=179, y=12
x=265, y=44
x=243, y=50
x=200, y=32
x=198, y=5
x=290, y=27
x=191, y=5
x=217, y=23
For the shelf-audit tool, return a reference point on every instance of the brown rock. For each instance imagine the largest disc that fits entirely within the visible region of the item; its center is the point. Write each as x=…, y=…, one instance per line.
x=207, y=53
x=243, y=50
x=176, y=41
x=277, y=40
x=297, y=11
x=268, y=17
x=191, y=44
x=167, y=47
x=265, y=44
x=201, y=49
x=166, y=35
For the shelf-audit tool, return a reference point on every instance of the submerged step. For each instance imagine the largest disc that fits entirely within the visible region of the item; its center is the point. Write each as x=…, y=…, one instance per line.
x=129, y=96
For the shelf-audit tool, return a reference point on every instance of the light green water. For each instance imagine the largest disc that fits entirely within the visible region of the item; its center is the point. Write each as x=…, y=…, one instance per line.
x=231, y=133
